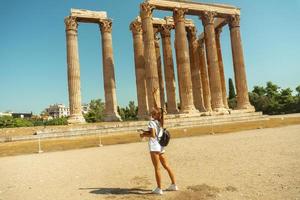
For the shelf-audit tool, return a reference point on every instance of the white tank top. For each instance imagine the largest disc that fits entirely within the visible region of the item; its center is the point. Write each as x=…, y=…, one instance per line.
x=153, y=142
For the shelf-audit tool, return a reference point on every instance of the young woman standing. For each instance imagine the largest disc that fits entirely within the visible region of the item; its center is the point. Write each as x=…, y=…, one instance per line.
x=155, y=128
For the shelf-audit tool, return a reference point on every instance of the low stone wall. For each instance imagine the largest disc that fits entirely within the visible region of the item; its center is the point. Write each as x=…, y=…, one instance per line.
x=175, y=121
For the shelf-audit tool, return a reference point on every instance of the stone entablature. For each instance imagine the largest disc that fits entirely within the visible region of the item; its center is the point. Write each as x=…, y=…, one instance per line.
x=88, y=16
x=194, y=8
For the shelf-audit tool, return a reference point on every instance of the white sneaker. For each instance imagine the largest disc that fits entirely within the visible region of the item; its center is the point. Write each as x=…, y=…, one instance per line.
x=172, y=187
x=157, y=191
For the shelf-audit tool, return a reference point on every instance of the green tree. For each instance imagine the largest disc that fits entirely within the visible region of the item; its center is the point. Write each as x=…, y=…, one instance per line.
x=96, y=111
x=129, y=112
x=259, y=90
x=298, y=90
x=274, y=100
x=231, y=89
x=272, y=90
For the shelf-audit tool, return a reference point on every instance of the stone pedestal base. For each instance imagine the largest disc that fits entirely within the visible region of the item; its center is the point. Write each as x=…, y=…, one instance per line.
x=112, y=117
x=173, y=111
x=245, y=109
x=76, y=119
x=207, y=113
x=189, y=110
x=221, y=111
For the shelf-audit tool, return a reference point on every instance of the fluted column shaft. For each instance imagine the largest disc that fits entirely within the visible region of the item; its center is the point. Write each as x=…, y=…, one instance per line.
x=159, y=68
x=204, y=75
x=138, y=46
x=178, y=73
x=195, y=69
x=111, y=113
x=221, y=67
x=73, y=71
x=150, y=55
x=239, y=64
x=169, y=69
x=212, y=60
x=182, y=54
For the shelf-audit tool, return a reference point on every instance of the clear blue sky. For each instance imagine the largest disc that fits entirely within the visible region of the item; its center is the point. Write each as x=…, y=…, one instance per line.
x=33, y=71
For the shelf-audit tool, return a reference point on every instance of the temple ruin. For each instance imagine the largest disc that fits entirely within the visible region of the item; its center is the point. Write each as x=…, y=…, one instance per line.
x=200, y=70
x=105, y=24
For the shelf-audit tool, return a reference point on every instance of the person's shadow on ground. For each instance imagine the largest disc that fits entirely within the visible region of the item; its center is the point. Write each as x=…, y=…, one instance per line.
x=118, y=191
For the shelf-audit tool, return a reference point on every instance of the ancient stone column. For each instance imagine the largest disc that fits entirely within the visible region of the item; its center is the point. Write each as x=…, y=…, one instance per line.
x=150, y=55
x=239, y=64
x=182, y=54
x=221, y=67
x=111, y=113
x=165, y=32
x=73, y=71
x=204, y=75
x=138, y=46
x=212, y=60
x=195, y=68
x=159, y=66
x=179, y=82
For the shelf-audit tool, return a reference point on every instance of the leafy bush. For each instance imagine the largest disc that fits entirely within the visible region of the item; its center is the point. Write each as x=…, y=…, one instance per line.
x=10, y=122
x=56, y=121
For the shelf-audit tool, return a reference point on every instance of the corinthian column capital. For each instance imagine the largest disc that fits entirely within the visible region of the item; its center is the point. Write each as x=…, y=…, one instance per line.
x=105, y=25
x=136, y=27
x=234, y=21
x=146, y=10
x=208, y=18
x=71, y=23
x=165, y=30
x=178, y=14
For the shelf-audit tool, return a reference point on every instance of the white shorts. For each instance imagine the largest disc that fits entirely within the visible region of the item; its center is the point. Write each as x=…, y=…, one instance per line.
x=154, y=146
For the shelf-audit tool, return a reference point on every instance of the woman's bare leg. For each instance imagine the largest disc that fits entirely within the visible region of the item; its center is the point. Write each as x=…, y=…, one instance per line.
x=165, y=164
x=155, y=162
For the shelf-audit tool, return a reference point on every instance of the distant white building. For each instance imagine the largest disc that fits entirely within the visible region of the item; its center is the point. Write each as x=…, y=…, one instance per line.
x=85, y=108
x=57, y=111
x=60, y=110
x=5, y=114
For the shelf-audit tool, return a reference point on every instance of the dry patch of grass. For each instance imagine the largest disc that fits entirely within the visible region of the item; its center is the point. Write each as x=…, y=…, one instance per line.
x=26, y=147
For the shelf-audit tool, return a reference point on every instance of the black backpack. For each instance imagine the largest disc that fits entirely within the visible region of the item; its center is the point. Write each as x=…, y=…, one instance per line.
x=165, y=138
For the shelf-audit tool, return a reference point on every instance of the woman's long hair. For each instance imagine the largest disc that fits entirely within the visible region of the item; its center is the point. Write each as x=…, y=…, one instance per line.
x=160, y=113
x=162, y=120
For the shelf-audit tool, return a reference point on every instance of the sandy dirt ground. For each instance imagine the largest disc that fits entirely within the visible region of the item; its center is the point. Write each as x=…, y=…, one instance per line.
x=256, y=164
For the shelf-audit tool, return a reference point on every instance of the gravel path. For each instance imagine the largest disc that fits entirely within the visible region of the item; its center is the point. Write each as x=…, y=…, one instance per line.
x=256, y=164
